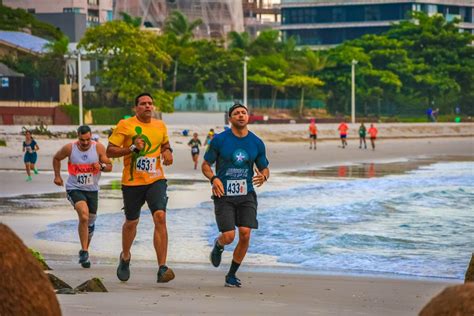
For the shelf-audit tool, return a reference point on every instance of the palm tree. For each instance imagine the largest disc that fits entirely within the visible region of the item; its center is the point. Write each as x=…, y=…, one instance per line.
x=180, y=32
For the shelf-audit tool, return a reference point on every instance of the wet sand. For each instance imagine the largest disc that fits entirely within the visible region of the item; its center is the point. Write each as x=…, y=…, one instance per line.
x=200, y=289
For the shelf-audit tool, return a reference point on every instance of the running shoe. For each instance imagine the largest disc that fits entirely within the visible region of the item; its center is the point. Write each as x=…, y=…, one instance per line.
x=165, y=275
x=216, y=254
x=84, y=259
x=232, y=281
x=35, y=171
x=123, y=270
x=29, y=178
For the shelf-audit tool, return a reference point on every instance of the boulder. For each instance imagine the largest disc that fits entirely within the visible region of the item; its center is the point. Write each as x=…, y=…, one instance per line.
x=470, y=271
x=455, y=300
x=24, y=287
x=40, y=259
x=57, y=283
x=92, y=285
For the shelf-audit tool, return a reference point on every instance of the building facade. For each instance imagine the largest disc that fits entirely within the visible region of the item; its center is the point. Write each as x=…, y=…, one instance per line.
x=331, y=22
x=96, y=11
x=218, y=16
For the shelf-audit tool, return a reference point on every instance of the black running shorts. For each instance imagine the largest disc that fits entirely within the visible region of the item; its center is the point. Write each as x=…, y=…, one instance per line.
x=240, y=211
x=90, y=197
x=154, y=194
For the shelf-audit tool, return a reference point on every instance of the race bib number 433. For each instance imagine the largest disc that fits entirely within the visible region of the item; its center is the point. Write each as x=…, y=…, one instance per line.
x=146, y=164
x=236, y=187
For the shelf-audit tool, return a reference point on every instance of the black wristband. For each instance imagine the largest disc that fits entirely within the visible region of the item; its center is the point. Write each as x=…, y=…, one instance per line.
x=212, y=179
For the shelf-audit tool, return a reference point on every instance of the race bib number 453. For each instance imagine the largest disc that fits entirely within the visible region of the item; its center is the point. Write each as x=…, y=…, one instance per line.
x=146, y=164
x=236, y=187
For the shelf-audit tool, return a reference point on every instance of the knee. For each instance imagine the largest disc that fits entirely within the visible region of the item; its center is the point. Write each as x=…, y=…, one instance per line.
x=159, y=218
x=130, y=224
x=244, y=236
x=228, y=237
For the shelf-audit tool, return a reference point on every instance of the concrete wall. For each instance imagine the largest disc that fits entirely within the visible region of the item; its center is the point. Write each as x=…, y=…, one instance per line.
x=71, y=24
x=33, y=115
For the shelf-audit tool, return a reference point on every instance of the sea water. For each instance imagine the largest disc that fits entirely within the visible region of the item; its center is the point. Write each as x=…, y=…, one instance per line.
x=416, y=224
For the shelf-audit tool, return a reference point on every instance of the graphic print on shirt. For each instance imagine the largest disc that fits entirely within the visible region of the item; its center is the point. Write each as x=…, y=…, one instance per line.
x=140, y=162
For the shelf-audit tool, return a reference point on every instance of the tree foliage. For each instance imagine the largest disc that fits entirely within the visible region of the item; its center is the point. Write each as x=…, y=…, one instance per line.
x=132, y=61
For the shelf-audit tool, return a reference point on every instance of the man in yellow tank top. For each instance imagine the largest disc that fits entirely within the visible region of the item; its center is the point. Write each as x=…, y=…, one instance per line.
x=143, y=142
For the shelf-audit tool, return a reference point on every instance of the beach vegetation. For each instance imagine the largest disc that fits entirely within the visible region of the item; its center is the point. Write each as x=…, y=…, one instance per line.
x=39, y=257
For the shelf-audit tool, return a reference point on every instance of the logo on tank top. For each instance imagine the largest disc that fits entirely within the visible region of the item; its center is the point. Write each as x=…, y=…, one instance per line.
x=240, y=157
x=84, y=157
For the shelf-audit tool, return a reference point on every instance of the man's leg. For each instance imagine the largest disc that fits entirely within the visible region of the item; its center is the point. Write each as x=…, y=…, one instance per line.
x=82, y=227
x=243, y=245
x=160, y=236
x=373, y=143
x=129, y=231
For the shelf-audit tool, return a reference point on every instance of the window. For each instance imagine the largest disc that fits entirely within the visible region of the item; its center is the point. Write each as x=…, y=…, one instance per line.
x=93, y=2
x=72, y=10
x=32, y=11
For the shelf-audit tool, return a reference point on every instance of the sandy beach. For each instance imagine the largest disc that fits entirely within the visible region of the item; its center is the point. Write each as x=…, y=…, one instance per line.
x=198, y=289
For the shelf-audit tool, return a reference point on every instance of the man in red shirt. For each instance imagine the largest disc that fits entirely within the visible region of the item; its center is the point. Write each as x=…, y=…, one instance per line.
x=373, y=135
x=343, y=133
x=313, y=131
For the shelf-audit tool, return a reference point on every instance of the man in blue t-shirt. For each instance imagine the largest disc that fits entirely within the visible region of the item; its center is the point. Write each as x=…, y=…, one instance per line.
x=235, y=152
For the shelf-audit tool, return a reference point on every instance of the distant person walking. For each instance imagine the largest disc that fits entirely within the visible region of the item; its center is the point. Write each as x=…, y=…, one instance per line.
x=195, y=145
x=313, y=132
x=235, y=152
x=362, y=133
x=30, y=147
x=343, y=133
x=86, y=161
x=143, y=142
x=373, y=135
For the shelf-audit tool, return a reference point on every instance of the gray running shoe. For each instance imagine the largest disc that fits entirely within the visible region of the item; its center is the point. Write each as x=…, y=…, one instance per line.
x=123, y=270
x=165, y=275
x=216, y=254
x=84, y=259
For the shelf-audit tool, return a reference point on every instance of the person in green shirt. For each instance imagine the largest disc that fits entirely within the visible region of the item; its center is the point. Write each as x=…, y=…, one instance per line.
x=362, y=133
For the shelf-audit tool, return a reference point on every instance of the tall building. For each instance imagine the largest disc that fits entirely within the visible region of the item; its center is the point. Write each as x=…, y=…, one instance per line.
x=260, y=15
x=219, y=16
x=331, y=22
x=96, y=11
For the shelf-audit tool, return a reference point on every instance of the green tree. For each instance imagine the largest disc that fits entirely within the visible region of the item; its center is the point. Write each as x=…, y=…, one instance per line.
x=180, y=33
x=302, y=82
x=133, y=60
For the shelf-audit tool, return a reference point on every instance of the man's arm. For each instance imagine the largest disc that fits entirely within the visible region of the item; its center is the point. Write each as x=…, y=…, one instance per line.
x=166, y=154
x=64, y=152
x=103, y=158
x=217, y=186
x=114, y=151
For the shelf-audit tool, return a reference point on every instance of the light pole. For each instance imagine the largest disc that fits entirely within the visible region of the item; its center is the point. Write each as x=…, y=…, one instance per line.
x=79, y=88
x=353, y=101
x=245, y=81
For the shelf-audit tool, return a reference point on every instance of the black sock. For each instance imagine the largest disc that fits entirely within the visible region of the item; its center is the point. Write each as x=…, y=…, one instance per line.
x=218, y=245
x=233, y=268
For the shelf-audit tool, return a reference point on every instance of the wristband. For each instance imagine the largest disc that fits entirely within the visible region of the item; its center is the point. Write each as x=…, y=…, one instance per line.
x=134, y=148
x=103, y=166
x=213, y=178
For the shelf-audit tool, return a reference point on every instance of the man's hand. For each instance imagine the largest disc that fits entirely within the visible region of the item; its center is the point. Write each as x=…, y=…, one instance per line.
x=139, y=143
x=167, y=157
x=217, y=188
x=258, y=179
x=96, y=166
x=58, y=181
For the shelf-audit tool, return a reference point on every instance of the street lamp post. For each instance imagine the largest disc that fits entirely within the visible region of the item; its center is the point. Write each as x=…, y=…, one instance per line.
x=79, y=88
x=354, y=62
x=245, y=81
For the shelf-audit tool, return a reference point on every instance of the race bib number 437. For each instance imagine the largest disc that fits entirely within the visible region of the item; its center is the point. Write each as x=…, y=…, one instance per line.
x=84, y=178
x=146, y=164
x=236, y=187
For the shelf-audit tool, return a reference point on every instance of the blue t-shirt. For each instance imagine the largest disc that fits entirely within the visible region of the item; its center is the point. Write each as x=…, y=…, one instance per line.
x=30, y=148
x=235, y=158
